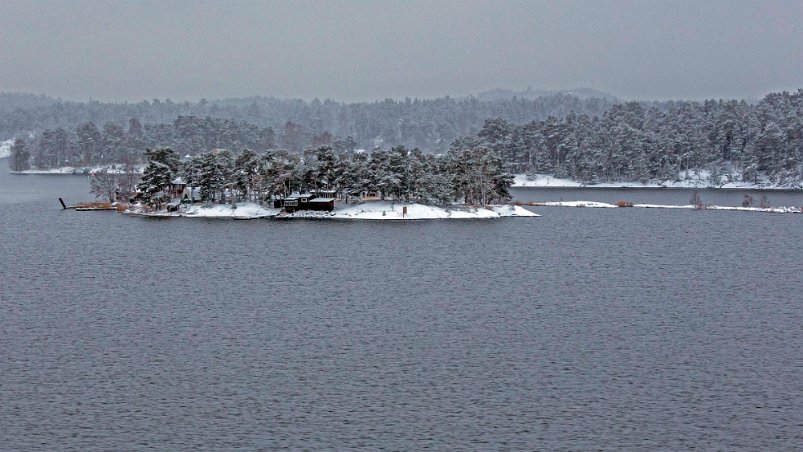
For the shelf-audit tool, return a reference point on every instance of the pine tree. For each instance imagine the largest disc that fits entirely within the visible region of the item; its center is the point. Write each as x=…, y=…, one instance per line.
x=161, y=169
x=20, y=156
x=211, y=178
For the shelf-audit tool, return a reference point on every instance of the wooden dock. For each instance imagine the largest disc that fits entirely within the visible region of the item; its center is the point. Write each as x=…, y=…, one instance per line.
x=88, y=206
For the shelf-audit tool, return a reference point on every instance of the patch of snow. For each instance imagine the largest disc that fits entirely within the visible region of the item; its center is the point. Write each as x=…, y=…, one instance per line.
x=758, y=209
x=592, y=204
x=387, y=210
x=663, y=206
x=240, y=210
x=82, y=170
x=60, y=170
x=5, y=148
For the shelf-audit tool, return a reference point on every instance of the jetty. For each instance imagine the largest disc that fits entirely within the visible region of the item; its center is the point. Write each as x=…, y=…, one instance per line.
x=88, y=206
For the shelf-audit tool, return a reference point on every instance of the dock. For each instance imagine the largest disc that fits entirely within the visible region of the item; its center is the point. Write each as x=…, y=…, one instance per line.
x=88, y=206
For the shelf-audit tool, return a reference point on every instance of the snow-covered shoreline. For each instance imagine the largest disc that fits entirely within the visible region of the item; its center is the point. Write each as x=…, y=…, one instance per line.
x=372, y=210
x=603, y=205
x=689, y=180
x=5, y=148
x=80, y=170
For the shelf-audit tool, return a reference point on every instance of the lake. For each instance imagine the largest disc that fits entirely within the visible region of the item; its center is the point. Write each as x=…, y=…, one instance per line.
x=581, y=329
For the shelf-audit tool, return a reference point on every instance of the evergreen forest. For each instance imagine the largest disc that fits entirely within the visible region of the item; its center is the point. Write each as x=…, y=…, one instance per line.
x=589, y=139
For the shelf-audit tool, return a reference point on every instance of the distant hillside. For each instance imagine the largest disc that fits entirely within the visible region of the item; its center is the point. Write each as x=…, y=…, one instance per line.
x=11, y=101
x=429, y=124
x=531, y=94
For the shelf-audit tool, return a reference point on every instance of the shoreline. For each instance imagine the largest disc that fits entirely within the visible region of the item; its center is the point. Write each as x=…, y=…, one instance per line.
x=371, y=210
x=689, y=183
x=541, y=181
x=603, y=205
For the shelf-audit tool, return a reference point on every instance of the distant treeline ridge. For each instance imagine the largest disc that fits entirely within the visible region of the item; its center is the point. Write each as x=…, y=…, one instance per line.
x=632, y=141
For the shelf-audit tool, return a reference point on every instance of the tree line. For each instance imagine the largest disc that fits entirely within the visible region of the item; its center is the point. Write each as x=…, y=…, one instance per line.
x=631, y=141
x=468, y=175
x=635, y=141
x=429, y=124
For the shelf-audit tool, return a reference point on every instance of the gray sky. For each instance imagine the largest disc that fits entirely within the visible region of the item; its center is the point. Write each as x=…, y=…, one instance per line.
x=363, y=50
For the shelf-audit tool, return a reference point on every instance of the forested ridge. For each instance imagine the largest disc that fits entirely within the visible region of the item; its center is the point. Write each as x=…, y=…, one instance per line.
x=591, y=140
x=638, y=142
x=430, y=124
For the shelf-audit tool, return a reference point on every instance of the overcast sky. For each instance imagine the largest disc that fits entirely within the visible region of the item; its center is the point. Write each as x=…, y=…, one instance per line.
x=364, y=50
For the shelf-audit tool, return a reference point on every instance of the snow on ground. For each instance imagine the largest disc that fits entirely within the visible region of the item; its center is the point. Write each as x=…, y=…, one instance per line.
x=386, y=210
x=116, y=169
x=244, y=210
x=374, y=210
x=240, y=210
x=576, y=204
x=595, y=204
x=60, y=170
x=686, y=179
x=5, y=148
x=758, y=209
x=663, y=206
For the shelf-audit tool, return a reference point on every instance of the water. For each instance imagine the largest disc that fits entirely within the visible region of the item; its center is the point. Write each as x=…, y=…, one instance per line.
x=585, y=328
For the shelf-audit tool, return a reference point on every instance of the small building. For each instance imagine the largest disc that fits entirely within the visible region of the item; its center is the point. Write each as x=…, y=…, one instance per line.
x=177, y=187
x=304, y=201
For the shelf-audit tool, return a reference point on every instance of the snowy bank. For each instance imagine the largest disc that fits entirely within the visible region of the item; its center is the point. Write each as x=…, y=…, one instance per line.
x=386, y=210
x=594, y=204
x=81, y=170
x=373, y=210
x=686, y=179
x=240, y=211
x=5, y=148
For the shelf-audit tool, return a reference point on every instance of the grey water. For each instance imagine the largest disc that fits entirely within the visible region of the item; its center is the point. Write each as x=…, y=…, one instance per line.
x=581, y=329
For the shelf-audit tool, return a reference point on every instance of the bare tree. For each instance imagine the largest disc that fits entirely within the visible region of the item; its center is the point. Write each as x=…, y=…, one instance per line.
x=104, y=184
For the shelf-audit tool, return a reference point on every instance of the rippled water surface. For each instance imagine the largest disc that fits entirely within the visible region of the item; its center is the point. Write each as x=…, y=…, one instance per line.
x=582, y=329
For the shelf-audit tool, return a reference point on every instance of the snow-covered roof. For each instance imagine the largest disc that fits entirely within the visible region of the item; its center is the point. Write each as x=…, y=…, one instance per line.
x=178, y=181
x=298, y=195
x=321, y=200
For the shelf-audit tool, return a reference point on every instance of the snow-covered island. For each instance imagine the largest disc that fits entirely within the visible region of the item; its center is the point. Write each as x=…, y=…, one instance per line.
x=369, y=210
x=399, y=184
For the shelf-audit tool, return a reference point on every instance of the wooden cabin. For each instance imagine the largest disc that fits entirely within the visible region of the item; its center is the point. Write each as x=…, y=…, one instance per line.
x=304, y=201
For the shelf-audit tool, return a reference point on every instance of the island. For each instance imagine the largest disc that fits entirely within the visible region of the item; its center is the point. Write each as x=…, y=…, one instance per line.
x=395, y=184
